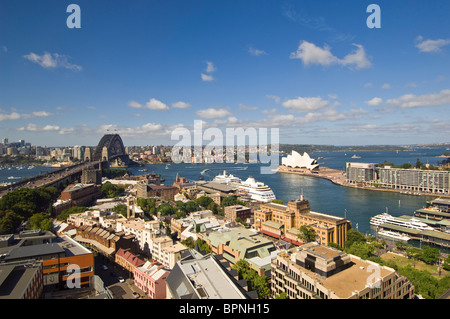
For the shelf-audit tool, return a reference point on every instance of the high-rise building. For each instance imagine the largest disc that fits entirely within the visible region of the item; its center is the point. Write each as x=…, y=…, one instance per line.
x=314, y=271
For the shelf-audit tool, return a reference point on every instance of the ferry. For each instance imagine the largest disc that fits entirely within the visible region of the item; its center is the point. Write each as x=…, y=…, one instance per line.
x=393, y=235
x=412, y=223
x=256, y=190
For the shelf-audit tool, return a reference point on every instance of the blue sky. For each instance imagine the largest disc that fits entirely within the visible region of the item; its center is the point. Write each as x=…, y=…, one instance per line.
x=312, y=69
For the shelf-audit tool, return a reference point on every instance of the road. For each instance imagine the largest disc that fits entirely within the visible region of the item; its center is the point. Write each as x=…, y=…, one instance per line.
x=110, y=277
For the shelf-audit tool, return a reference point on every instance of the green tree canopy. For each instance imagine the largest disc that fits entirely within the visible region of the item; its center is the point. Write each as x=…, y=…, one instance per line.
x=69, y=211
x=204, y=201
x=307, y=233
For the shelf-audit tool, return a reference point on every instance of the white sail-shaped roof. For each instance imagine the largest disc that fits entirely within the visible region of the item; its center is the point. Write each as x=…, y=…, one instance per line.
x=295, y=160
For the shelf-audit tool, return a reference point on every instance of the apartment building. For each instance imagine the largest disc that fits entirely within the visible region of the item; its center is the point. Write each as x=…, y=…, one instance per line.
x=237, y=211
x=59, y=255
x=284, y=221
x=151, y=279
x=413, y=180
x=21, y=280
x=126, y=259
x=314, y=271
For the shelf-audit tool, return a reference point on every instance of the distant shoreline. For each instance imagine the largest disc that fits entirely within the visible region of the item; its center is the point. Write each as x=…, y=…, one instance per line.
x=338, y=177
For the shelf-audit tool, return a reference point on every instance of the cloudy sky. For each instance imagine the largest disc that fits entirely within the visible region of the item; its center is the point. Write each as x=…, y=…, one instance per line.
x=312, y=69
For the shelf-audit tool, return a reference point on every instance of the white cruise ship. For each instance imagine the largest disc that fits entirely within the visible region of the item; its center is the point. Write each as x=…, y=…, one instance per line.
x=256, y=190
x=385, y=218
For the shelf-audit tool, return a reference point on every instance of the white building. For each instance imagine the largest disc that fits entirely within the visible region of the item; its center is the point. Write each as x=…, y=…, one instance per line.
x=295, y=160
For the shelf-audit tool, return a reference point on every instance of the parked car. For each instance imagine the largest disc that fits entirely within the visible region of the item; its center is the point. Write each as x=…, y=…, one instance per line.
x=121, y=279
x=104, y=267
x=136, y=295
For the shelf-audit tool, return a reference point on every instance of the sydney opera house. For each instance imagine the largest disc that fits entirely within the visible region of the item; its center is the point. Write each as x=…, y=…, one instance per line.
x=295, y=160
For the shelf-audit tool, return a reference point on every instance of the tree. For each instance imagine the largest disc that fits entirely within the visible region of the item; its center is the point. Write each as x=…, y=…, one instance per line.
x=229, y=201
x=204, y=201
x=121, y=209
x=191, y=206
x=354, y=236
x=110, y=190
x=278, y=201
x=255, y=281
x=360, y=249
x=40, y=221
x=69, y=211
x=165, y=210
x=213, y=207
x=307, y=233
x=9, y=221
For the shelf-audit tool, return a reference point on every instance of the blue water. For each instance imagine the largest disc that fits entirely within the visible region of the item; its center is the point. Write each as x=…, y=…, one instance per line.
x=13, y=174
x=357, y=205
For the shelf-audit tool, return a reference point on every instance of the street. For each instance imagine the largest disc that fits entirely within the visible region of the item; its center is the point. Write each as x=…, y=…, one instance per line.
x=110, y=277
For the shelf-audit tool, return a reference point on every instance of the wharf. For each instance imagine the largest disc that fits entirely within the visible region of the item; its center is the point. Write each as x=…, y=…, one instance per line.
x=425, y=236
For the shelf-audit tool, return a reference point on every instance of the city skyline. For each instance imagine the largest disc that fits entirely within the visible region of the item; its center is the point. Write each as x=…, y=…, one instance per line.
x=315, y=71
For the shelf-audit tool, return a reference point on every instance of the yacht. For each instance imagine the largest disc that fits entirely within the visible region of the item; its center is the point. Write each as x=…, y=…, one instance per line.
x=412, y=223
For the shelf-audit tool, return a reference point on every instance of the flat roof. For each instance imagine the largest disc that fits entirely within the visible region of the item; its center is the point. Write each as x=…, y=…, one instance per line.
x=209, y=279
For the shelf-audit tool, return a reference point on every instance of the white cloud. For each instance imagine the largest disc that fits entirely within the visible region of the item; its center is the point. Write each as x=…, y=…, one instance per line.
x=42, y=113
x=430, y=45
x=309, y=53
x=210, y=67
x=207, y=78
x=256, y=52
x=375, y=101
x=275, y=98
x=386, y=86
x=247, y=108
x=34, y=128
x=212, y=113
x=152, y=104
x=181, y=105
x=11, y=116
x=55, y=60
x=305, y=104
x=411, y=100
x=134, y=104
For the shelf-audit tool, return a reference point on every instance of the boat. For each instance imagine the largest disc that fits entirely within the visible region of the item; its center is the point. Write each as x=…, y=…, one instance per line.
x=412, y=223
x=143, y=170
x=250, y=187
x=167, y=166
x=356, y=156
x=204, y=171
x=228, y=179
x=394, y=235
x=257, y=190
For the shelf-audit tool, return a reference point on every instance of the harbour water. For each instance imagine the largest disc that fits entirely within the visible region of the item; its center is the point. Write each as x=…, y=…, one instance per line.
x=15, y=173
x=357, y=205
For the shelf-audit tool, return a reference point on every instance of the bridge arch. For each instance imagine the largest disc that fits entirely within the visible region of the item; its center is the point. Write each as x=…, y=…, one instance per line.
x=110, y=145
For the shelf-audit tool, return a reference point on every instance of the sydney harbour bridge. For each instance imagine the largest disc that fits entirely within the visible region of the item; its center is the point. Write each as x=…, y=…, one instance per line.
x=110, y=151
